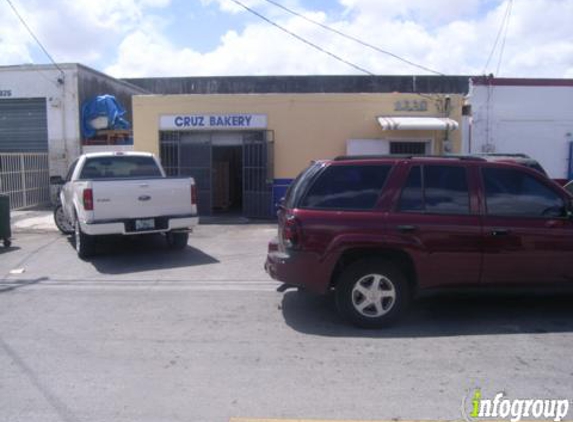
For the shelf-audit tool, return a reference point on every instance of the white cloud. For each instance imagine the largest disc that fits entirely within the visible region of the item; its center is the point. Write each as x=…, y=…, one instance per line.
x=12, y=49
x=447, y=35
x=424, y=11
x=73, y=30
x=129, y=37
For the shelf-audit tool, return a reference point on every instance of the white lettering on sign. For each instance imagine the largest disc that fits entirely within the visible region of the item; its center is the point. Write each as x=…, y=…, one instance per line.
x=5, y=93
x=212, y=121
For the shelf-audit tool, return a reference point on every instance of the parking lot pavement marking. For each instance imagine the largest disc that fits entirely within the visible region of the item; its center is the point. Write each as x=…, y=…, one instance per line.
x=360, y=420
x=317, y=420
x=157, y=285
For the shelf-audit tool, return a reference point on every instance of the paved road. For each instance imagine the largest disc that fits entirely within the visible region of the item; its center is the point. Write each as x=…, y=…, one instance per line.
x=143, y=334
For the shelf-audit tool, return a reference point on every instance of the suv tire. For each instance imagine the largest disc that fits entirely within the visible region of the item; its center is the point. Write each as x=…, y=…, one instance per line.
x=371, y=293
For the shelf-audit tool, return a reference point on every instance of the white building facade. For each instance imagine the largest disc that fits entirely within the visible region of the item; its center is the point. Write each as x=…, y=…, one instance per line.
x=40, y=112
x=527, y=116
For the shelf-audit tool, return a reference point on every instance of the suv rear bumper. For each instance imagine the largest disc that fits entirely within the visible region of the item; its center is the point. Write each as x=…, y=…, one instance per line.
x=297, y=269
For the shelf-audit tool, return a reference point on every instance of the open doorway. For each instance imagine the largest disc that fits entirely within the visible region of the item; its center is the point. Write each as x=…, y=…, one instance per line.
x=233, y=171
x=227, y=182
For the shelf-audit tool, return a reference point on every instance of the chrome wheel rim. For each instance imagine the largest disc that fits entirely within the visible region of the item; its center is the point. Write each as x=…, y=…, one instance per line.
x=373, y=295
x=62, y=222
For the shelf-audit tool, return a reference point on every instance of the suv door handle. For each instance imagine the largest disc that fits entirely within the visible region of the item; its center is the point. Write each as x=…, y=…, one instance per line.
x=406, y=228
x=500, y=232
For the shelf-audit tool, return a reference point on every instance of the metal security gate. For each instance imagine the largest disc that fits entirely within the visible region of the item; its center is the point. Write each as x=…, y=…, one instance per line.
x=195, y=160
x=190, y=154
x=25, y=179
x=258, y=175
x=23, y=125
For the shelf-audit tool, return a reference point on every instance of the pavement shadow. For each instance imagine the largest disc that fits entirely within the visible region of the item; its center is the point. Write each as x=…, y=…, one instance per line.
x=11, y=285
x=12, y=248
x=441, y=315
x=126, y=254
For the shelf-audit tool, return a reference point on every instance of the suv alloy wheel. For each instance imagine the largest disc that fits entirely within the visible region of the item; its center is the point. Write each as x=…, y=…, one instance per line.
x=371, y=294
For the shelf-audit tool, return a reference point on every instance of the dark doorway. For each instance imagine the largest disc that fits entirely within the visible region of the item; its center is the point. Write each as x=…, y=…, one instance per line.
x=227, y=183
x=233, y=170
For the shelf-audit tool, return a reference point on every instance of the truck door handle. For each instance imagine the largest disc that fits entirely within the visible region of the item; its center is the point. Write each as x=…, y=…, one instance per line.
x=405, y=228
x=500, y=232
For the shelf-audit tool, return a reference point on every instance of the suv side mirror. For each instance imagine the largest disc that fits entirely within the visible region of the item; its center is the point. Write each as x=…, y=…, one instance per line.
x=57, y=180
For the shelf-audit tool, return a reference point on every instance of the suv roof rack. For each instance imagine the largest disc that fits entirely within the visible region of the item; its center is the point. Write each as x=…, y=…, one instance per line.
x=409, y=157
x=500, y=154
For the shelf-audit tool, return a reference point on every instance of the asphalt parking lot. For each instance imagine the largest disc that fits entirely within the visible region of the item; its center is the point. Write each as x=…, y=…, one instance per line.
x=141, y=333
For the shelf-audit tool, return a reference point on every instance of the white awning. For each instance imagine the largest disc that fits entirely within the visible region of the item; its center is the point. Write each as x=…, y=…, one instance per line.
x=417, y=123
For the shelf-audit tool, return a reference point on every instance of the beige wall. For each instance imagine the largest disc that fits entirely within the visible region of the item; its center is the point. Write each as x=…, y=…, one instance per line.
x=306, y=126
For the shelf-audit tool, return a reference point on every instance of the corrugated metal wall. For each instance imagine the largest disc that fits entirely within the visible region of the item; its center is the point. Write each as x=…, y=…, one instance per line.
x=23, y=125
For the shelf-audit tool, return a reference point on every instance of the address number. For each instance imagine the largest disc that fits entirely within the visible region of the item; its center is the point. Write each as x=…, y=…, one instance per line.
x=411, y=105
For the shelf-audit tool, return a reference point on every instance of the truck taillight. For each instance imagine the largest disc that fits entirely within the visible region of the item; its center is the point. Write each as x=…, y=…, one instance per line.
x=292, y=233
x=193, y=194
x=88, y=199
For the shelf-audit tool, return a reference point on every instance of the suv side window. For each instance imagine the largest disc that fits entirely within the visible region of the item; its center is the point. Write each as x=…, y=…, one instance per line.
x=436, y=189
x=347, y=187
x=412, y=198
x=510, y=192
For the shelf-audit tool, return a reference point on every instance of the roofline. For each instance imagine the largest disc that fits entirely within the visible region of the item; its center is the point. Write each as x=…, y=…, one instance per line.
x=490, y=80
x=74, y=67
x=119, y=81
x=33, y=66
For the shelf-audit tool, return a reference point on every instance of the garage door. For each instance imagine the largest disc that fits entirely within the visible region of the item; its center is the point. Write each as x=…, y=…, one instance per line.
x=23, y=125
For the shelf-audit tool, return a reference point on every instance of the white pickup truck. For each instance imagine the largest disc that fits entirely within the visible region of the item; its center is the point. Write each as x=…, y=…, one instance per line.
x=126, y=193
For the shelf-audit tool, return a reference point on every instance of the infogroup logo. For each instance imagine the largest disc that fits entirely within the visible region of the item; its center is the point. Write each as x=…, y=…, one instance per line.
x=515, y=410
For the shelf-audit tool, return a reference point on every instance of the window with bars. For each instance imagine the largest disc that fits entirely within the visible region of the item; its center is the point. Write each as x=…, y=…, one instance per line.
x=408, y=147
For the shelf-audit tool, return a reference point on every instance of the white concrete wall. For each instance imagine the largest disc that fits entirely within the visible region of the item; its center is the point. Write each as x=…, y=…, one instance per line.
x=61, y=106
x=534, y=120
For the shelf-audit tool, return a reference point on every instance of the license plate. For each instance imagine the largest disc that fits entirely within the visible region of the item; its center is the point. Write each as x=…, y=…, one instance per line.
x=146, y=224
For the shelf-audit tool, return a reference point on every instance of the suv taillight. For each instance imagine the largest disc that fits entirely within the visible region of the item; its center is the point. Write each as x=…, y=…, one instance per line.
x=88, y=200
x=193, y=194
x=292, y=233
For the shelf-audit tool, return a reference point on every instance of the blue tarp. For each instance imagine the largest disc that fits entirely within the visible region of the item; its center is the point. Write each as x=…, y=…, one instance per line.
x=102, y=106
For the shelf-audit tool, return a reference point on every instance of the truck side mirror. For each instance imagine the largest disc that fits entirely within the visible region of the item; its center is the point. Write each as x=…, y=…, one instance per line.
x=56, y=180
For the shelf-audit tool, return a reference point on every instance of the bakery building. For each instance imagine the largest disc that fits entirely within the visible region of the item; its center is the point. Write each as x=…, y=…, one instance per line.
x=244, y=148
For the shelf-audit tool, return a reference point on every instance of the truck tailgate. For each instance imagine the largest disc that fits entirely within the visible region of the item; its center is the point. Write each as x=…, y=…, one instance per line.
x=125, y=198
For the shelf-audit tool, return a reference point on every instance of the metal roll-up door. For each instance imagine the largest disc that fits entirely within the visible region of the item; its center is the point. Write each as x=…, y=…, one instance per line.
x=23, y=125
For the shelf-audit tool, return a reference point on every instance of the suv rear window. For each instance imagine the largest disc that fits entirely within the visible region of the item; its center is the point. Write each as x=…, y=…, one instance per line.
x=110, y=167
x=347, y=187
x=436, y=189
x=299, y=185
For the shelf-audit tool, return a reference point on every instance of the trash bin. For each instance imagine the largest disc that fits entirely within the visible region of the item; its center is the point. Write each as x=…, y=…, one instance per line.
x=5, y=231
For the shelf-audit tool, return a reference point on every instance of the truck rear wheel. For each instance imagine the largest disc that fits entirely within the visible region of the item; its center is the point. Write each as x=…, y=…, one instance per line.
x=372, y=294
x=177, y=240
x=84, y=243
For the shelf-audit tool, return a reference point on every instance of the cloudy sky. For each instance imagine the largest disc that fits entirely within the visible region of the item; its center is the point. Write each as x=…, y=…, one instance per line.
x=134, y=38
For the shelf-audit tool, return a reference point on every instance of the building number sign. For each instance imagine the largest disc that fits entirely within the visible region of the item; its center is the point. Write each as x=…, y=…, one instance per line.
x=411, y=105
x=5, y=93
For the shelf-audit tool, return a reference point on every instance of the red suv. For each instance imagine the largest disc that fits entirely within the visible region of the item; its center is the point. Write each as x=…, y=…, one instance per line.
x=377, y=230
